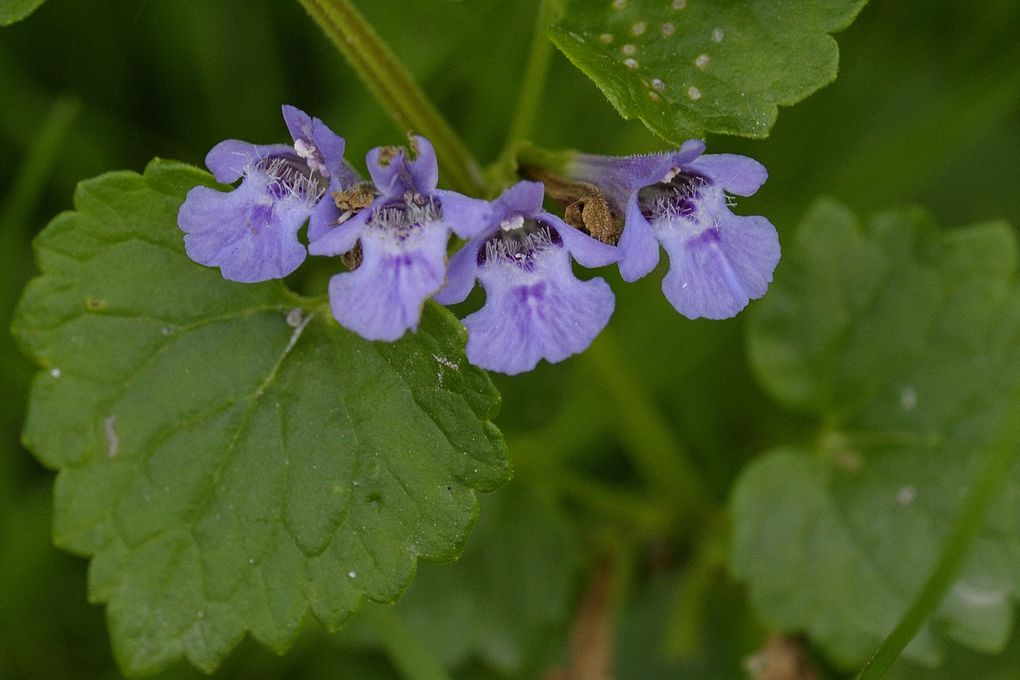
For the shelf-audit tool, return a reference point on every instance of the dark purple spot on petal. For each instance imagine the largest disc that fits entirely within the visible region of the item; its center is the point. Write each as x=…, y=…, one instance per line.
x=705, y=238
x=535, y=291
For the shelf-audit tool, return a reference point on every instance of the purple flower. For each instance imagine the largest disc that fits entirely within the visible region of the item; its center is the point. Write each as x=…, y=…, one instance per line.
x=403, y=234
x=535, y=308
x=250, y=233
x=718, y=261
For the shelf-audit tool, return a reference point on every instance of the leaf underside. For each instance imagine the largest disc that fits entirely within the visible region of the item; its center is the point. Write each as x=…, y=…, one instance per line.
x=901, y=340
x=690, y=67
x=229, y=456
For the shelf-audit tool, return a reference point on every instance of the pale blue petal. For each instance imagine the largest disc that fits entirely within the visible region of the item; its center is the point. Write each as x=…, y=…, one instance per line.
x=638, y=249
x=339, y=239
x=715, y=273
x=460, y=274
x=246, y=233
x=231, y=158
x=387, y=176
x=383, y=298
x=739, y=175
x=466, y=217
x=312, y=130
x=424, y=169
x=588, y=251
x=524, y=198
x=543, y=314
x=325, y=217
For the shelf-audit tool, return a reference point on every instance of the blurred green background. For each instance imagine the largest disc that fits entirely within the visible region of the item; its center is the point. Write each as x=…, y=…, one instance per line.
x=925, y=111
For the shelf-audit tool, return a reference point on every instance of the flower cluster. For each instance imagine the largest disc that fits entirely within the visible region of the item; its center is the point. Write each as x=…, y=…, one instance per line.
x=393, y=234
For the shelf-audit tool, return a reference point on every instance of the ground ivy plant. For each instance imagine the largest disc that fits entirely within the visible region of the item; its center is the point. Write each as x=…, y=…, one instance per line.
x=243, y=442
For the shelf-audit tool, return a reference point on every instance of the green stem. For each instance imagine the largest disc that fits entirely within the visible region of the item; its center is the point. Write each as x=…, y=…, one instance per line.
x=991, y=478
x=648, y=438
x=395, y=88
x=411, y=657
x=532, y=86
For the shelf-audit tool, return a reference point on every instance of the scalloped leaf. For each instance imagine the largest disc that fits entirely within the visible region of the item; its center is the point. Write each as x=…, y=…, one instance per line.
x=902, y=341
x=12, y=11
x=687, y=67
x=229, y=456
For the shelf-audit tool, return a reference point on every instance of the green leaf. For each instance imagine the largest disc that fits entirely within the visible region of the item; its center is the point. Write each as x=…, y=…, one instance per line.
x=902, y=341
x=16, y=10
x=229, y=456
x=686, y=68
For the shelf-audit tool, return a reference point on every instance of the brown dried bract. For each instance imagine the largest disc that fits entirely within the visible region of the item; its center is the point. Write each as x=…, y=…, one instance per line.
x=585, y=206
x=355, y=198
x=353, y=257
x=591, y=213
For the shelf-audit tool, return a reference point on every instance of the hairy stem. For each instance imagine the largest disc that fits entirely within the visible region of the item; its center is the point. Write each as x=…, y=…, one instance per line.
x=395, y=88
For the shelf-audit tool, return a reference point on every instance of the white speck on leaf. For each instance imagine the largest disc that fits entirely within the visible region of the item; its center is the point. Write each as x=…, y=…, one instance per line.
x=619, y=4
x=606, y=38
x=679, y=4
x=702, y=61
x=908, y=398
x=352, y=574
x=717, y=35
x=668, y=28
x=639, y=28
x=630, y=63
x=166, y=330
x=54, y=373
x=294, y=317
x=443, y=361
x=694, y=93
x=577, y=37
x=658, y=84
x=906, y=495
x=628, y=49
x=112, y=440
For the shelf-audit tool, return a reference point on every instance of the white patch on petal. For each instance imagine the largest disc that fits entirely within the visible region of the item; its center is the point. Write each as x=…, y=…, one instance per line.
x=308, y=151
x=400, y=227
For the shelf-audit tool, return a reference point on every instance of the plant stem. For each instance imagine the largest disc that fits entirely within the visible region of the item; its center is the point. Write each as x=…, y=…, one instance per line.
x=395, y=88
x=532, y=87
x=649, y=440
x=968, y=524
